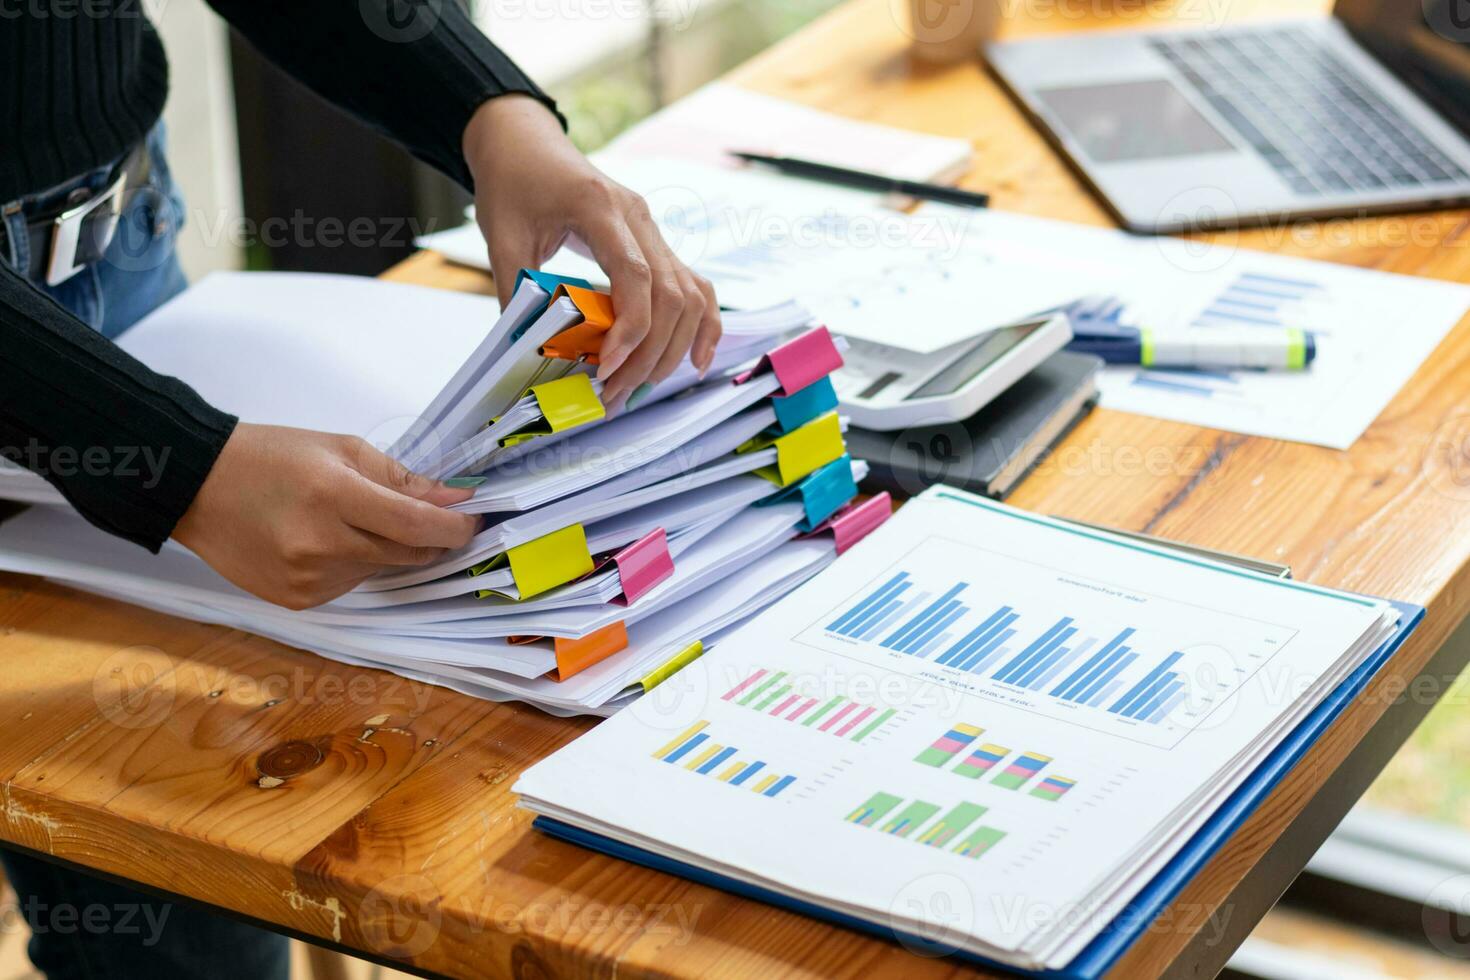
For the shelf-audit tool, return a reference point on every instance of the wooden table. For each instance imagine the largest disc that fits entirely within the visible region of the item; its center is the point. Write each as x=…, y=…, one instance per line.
x=359, y=809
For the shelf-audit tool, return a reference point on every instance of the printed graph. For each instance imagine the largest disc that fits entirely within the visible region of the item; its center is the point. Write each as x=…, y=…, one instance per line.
x=696, y=751
x=1093, y=652
x=889, y=814
x=776, y=694
x=984, y=761
x=1152, y=698
x=1055, y=661
x=1249, y=300
x=1053, y=788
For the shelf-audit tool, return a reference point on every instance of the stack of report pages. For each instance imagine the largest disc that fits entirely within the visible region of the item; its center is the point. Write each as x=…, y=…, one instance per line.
x=613, y=547
x=983, y=729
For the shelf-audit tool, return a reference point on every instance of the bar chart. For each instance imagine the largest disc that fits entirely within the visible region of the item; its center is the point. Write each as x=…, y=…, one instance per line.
x=921, y=617
x=1053, y=788
x=1037, y=664
x=1151, y=699
x=778, y=694
x=1019, y=772
x=696, y=751
x=1094, y=652
x=981, y=761
x=948, y=745
x=890, y=814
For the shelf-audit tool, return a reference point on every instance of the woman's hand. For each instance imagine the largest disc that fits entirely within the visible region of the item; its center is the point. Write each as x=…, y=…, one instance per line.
x=533, y=190
x=300, y=517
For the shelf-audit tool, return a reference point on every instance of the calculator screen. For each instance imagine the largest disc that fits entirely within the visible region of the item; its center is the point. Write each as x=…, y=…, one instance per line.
x=975, y=360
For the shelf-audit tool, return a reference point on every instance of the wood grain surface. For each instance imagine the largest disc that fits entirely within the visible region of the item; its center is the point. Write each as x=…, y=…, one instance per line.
x=375, y=812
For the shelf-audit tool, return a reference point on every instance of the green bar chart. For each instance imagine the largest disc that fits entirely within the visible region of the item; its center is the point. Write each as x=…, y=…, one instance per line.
x=914, y=820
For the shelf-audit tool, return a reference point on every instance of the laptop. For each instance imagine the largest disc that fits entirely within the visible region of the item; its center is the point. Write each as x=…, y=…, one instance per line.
x=1367, y=110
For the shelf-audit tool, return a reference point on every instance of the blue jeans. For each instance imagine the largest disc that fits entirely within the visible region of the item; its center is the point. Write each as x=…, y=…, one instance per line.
x=84, y=928
x=140, y=269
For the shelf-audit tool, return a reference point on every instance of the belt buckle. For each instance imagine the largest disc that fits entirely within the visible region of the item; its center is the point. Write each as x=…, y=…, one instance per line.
x=66, y=232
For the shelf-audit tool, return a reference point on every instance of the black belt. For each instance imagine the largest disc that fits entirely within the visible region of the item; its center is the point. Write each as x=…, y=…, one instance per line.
x=71, y=233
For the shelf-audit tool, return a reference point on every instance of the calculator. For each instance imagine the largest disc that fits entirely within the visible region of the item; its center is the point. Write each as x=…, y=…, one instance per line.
x=887, y=388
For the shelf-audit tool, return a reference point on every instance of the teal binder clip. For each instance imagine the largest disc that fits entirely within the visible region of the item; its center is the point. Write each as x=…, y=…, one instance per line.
x=822, y=493
x=794, y=411
x=548, y=281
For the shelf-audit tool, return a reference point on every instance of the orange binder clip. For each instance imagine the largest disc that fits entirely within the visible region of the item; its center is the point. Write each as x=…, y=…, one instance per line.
x=584, y=341
x=575, y=656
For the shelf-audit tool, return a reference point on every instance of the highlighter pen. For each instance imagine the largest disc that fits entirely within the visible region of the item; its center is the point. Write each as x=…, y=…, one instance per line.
x=1100, y=327
x=1216, y=348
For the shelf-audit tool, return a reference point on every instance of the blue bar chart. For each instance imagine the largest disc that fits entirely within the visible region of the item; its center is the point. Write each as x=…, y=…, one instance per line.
x=1151, y=699
x=924, y=631
x=921, y=618
x=1091, y=683
x=1146, y=667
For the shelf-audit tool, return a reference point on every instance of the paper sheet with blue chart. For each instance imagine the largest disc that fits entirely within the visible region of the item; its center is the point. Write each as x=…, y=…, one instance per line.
x=1373, y=329
x=978, y=712
x=944, y=274
x=951, y=272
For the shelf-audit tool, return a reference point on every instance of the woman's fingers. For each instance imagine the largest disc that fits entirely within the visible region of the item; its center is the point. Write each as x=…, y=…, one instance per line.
x=707, y=337
x=682, y=340
x=620, y=255
x=390, y=501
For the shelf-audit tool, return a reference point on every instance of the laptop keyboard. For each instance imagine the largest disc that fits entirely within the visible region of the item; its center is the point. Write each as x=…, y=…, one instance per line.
x=1321, y=128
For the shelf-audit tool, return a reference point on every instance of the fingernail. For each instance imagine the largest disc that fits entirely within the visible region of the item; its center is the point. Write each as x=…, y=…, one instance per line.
x=639, y=393
x=464, y=482
x=608, y=362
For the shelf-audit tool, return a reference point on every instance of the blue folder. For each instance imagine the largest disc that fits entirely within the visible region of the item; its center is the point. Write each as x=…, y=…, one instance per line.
x=1112, y=942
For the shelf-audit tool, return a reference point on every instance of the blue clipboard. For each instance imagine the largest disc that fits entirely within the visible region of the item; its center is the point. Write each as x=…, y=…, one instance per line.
x=1114, y=941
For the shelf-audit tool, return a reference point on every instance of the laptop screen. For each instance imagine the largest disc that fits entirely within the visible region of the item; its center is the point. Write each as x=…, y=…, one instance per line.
x=1425, y=42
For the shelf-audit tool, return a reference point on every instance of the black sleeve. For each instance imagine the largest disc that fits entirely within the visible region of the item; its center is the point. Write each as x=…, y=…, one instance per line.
x=127, y=447
x=416, y=70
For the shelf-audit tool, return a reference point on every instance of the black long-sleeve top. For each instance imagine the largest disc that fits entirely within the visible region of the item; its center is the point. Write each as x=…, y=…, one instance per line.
x=79, y=92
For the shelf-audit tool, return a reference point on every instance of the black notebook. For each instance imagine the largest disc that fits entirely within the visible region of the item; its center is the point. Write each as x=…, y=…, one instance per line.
x=992, y=450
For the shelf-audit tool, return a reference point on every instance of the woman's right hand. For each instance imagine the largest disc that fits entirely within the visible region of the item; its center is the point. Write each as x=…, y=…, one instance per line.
x=298, y=517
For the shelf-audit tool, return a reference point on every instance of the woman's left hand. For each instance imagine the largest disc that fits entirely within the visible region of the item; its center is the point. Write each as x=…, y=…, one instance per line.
x=534, y=190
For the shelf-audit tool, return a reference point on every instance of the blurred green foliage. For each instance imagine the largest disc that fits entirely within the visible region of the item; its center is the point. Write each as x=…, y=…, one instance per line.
x=604, y=102
x=1430, y=777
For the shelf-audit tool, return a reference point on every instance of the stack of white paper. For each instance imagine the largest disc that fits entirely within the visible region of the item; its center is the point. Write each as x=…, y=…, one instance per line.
x=610, y=543
x=982, y=727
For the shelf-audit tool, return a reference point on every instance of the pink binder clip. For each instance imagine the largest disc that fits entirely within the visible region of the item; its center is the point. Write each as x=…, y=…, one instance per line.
x=799, y=362
x=855, y=521
x=643, y=564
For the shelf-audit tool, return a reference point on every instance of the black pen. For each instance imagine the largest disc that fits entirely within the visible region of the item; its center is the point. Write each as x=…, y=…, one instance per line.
x=865, y=181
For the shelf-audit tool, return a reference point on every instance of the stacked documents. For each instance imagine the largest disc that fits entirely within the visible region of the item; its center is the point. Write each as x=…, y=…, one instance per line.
x=610, y=545
x=982, y=727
